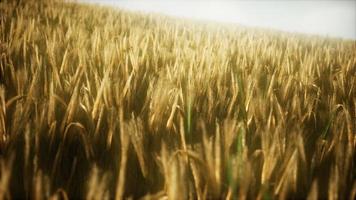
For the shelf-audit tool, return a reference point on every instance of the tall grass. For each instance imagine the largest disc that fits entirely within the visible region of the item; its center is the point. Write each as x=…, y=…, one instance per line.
x=101, y=103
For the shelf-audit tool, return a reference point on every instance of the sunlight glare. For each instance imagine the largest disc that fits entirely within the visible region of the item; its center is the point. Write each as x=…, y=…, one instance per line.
x=327, y=18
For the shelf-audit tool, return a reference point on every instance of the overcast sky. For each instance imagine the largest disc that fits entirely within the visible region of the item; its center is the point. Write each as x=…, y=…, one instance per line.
x=335, y=18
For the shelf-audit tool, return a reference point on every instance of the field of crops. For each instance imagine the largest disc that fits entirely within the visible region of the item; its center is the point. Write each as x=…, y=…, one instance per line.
x=101, y=103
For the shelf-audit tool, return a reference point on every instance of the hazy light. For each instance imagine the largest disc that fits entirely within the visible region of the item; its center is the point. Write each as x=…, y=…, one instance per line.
x=328, y=18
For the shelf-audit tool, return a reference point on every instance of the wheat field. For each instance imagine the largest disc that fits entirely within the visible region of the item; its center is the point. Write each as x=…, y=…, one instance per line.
x=102, y=103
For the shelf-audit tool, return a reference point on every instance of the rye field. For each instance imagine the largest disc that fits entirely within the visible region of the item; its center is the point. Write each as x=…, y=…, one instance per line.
x=102, y=103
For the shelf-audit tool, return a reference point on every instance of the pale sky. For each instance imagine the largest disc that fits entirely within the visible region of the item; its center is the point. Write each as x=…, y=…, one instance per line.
x=334, y=18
